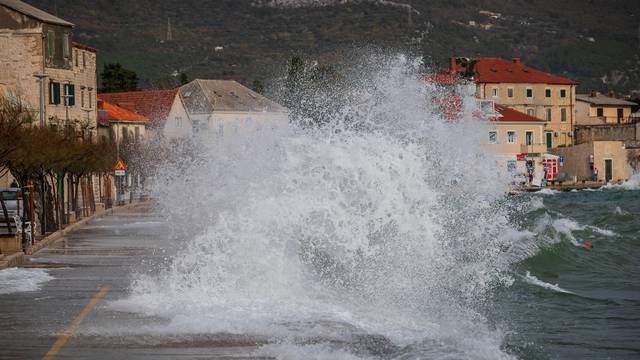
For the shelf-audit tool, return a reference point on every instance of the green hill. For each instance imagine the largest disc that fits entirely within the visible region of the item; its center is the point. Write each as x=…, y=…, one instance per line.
x=596, y=42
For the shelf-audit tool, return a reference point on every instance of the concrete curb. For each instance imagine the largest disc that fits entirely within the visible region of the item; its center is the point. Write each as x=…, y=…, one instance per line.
x=12, y=260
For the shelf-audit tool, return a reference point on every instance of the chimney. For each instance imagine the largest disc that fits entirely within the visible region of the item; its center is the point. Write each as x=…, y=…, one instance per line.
x=452, y=64
x=612, y=94
x=593, y=93
x=516, y=60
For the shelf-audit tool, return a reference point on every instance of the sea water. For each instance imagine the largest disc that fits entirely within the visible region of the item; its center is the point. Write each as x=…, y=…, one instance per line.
x=376, y=228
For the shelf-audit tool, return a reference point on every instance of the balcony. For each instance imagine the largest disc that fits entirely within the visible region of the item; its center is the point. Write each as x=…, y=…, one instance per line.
x=533, y=148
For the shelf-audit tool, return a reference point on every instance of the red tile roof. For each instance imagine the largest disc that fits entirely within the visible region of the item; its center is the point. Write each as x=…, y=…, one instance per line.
x=108, y=112
x=496, y=70
x=444, y=77
x=511, y=115
x=154, y=104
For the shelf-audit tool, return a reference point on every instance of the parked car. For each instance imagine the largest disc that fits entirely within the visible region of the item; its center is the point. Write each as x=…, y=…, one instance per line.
x=12, y=198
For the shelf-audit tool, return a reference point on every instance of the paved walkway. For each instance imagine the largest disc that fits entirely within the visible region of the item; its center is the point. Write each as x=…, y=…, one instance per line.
x=89, y=267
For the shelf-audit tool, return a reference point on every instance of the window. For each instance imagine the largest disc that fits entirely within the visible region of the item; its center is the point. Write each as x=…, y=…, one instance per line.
x=137, y=133
x=178, y=121
x=510, y=92
x=563, y=114
x=531, y=112
x=494, y=92
x=65, y=46
x=82, y=98
x=528, y=140
x=548, y=114
x=511, y=165
x=84, y=59
x=75, y=57
x=547, y=93
x=563, y=93
x=125, y=135
x=511, y=137
x=529, y=93
x=51, y=44
x=54, y=92
x=600, y=112
x=493, y=137
x=90, y=99
x=70, y=94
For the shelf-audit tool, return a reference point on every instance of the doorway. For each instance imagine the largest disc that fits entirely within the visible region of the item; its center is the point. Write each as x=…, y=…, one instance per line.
x=549, y=140
x=608, y=170
x=620, y=115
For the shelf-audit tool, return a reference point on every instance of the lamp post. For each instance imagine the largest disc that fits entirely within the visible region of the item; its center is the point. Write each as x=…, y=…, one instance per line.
x=43, y=218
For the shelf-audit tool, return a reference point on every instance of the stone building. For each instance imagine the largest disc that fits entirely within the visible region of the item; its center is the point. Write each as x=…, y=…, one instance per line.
x=36, y=46
x=525, y=89
x=598, y=109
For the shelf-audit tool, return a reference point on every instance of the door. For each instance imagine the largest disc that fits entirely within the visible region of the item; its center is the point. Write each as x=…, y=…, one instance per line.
x=608, y=170
x=549, y=140
x=620, y=114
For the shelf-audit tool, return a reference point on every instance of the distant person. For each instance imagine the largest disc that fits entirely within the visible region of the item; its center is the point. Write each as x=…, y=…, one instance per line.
x=595, y=174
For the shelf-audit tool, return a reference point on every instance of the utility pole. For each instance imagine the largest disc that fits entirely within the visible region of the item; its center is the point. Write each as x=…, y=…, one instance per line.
x=43, y=214
x=169, y=34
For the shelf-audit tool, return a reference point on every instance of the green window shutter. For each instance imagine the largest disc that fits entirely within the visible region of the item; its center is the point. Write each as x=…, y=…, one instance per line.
x=563, y=93
x=547, y=93
x=51, y=91
x=72, y=92
x=51, y=44
x=529, y=92
x=56, y=93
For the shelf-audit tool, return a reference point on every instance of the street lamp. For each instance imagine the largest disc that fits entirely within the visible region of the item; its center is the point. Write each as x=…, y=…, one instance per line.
x=43, y=220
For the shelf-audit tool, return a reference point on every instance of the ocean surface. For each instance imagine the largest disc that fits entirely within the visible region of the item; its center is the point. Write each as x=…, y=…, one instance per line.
x=569, y=302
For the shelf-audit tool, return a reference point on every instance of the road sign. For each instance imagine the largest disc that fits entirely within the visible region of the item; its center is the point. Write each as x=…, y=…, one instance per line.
x=120, y=172
x=120, y=166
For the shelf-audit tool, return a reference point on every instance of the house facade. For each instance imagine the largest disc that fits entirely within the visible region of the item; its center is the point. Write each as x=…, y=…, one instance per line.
x=37, y=47
x=525, y=89
x=160, y=107
x=517, y=139
x=221, y=107
x=598, y=109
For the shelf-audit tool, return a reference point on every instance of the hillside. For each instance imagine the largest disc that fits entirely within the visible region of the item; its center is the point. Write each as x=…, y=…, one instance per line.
x=596, y=42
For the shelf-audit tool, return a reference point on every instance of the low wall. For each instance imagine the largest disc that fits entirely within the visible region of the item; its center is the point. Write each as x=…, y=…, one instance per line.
x=617, y=132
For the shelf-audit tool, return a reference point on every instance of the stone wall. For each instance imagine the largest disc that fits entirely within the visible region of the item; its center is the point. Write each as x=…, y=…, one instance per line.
x=621, y=132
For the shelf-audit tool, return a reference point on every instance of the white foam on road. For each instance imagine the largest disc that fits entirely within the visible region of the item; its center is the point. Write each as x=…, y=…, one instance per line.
x=15, y=280
x=537, y=282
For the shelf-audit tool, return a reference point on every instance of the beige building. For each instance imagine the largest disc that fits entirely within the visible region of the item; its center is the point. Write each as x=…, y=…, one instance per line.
x=525, y=89
x=159, y=106
x=220, y=107
x=597, y=109
x=36, y=45
x=119, y=124
x=518, y=139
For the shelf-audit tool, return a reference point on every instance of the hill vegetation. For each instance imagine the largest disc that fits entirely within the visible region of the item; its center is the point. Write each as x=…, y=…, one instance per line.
x=596, y=42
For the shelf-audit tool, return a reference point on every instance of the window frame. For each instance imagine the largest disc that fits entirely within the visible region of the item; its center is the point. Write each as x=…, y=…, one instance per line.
x=529, y=93
x=563, y=93
x=528, y=140
x=547, y=92
x=515, y=137
x=54, y=93
x=495, y=136
x=548, y=114
x=510, y=92
x=494, y=92
x=51, y=44
x=563, y=114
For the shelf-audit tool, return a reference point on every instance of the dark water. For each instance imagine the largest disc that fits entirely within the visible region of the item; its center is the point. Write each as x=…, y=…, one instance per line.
x=598, y=317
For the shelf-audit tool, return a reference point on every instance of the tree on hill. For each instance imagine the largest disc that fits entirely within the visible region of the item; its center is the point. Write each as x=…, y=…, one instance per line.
x=115, y=78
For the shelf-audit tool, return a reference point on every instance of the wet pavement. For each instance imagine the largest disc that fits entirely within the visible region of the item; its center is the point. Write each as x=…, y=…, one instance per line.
x=103, y=255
